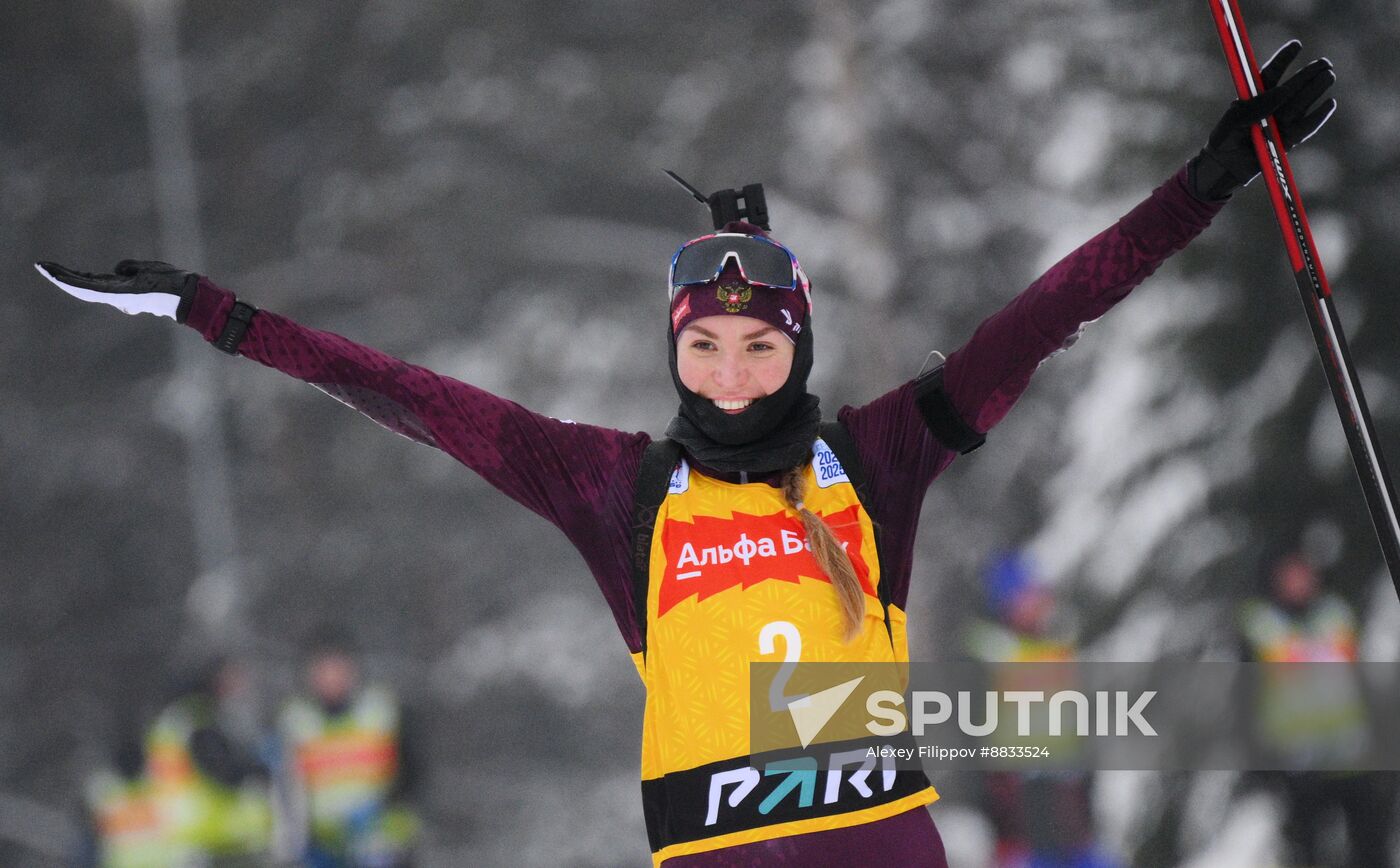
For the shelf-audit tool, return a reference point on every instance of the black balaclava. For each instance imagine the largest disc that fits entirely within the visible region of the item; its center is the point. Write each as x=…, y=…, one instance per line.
x=773, y=433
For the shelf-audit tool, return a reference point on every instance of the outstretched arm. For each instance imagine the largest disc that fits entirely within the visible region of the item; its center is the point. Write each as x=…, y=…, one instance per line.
x=985, y=377
x=579, y=477
x=982, y=380
x=556, y=469
x=576, y=476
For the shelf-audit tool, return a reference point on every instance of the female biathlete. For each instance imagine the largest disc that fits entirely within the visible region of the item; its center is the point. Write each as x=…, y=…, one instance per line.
x=754, y=521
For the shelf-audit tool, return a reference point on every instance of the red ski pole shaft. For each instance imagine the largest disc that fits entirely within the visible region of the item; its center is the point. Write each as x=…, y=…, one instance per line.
x=1316, y=293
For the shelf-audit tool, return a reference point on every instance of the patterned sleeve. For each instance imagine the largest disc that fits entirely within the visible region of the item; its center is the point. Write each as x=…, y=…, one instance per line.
x=578, y=477
x=986, y=376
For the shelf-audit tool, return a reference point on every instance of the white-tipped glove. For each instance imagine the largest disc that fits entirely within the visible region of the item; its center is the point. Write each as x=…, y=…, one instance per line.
x=133, y=287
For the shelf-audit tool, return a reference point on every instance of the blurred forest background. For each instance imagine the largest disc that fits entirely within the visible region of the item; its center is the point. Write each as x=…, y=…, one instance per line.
x=477, y=187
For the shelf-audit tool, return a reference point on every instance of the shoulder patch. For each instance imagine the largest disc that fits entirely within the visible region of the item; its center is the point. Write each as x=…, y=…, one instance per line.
x=827, y=465
x=680, y=479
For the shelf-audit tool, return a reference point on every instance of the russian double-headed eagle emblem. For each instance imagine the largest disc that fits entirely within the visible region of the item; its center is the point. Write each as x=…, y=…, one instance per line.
x=734, y=296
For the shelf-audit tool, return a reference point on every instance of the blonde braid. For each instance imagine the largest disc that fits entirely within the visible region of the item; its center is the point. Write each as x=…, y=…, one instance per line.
x=826, y=548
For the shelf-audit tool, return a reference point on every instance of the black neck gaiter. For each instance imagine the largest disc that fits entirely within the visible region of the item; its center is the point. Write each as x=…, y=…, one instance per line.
x=774, y=433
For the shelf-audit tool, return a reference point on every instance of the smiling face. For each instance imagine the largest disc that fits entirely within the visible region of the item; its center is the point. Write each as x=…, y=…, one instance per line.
x=733, y=360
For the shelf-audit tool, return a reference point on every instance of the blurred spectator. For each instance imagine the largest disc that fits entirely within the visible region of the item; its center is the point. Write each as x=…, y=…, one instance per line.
x=345, y=767
x=122, y=823
x=1020, y=611
x=210, y=792
x=1042, y=819
x=1306, y=717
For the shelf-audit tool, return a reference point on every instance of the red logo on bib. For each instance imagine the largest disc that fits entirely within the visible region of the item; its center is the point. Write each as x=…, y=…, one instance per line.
x=714, y=554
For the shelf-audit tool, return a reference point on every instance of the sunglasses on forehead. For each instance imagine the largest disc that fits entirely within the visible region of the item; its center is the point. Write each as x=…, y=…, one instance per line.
x=761, y=262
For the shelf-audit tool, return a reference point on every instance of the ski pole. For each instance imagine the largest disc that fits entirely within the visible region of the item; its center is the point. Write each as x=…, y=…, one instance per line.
x=1315, y=291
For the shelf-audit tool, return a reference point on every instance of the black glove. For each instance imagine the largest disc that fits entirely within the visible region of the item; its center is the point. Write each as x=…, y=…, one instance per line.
x=1228, y=160
x=134, y=287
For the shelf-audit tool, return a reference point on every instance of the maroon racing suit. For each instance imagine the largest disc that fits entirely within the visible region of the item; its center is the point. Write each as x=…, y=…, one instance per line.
x=581, y=478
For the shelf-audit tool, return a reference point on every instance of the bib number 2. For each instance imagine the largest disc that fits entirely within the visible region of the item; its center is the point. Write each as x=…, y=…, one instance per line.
x=792, y=652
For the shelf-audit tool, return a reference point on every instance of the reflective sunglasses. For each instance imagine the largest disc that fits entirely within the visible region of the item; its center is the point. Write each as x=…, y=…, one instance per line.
x=761, y=261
